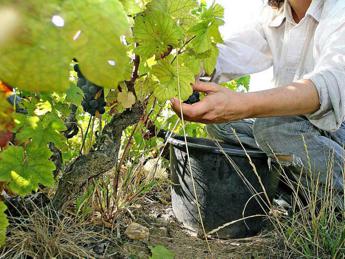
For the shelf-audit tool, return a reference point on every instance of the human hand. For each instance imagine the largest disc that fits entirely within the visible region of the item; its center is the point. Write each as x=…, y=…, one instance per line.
x=219, y=105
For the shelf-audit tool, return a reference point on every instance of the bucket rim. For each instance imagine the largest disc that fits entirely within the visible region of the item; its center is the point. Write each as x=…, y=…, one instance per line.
x=179, y=142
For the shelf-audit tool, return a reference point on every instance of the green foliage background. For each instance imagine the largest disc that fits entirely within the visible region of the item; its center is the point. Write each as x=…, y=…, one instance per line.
x=167, y=42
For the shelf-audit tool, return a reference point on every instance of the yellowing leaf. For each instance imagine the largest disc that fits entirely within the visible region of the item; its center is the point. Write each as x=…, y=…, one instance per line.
x=126, y=99
x=18, y=180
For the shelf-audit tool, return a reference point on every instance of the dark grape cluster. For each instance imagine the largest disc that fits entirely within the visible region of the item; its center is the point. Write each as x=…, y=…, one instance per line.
x=16, y=101
x=93, y=95
x=194, y=98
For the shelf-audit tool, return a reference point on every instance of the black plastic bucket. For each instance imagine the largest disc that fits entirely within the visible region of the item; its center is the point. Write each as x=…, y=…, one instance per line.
x=222, y=193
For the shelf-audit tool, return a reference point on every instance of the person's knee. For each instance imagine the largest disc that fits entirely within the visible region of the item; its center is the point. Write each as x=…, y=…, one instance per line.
x=278, y=131
x=272, y=137
x=265, y=132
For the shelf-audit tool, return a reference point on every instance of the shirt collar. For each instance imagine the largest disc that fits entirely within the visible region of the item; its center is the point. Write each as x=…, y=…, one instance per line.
x=315, y=9
x=279, y=18
x=285, y=13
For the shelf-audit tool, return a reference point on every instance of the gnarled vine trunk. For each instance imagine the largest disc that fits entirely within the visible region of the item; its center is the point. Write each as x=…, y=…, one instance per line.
x=102, y=158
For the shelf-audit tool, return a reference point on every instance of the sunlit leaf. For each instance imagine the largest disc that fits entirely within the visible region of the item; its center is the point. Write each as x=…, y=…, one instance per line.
x=174, y=81
x=24, y=170
x=54, y=32
x=38, y=57
x=179, y=10
x=96, y=29
x=209, y=63
x=206, y=32
x=40, y=130
x=155, y=32
x=43, y=108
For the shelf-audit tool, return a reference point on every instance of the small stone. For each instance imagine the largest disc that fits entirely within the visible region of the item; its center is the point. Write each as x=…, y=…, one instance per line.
x=136, y=231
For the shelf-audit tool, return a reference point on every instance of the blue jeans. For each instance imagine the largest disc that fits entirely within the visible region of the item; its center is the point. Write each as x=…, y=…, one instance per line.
x=294, y=143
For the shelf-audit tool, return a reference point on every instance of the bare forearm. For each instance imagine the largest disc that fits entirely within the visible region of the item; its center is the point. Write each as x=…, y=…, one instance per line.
x=295, y=99
x=223, y=105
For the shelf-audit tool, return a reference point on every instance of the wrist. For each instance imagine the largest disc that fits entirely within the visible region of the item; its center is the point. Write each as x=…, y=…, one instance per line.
x=252, y=105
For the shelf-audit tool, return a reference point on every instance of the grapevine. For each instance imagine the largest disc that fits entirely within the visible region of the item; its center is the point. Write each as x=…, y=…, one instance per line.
x=126, y=55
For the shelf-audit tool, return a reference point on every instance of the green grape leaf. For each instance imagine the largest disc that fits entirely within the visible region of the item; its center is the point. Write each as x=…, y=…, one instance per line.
x=99, y=27
x=159, y=252
x=49, y=34
x=3, y=223
x=206, y=32
x=155, y=32
x=241, y=84
x=192, y=62
x=74, y=95
x=35, y=58
x=244, y=81
x=24, y=170
x=209, y=63
x=196, y=62
x=179, y=10
x=174, y=81
x=40, y=130
x=10, y=160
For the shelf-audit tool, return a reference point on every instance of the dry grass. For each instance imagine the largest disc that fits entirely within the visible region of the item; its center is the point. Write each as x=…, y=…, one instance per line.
x=316, y=226
x=44, y=234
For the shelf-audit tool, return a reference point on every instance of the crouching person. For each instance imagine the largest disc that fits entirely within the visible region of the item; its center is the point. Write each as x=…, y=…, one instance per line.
x=300, y=122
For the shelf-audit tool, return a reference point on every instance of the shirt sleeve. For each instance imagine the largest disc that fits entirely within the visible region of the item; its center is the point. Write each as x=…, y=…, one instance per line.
x=329, y=78
x=245, y=52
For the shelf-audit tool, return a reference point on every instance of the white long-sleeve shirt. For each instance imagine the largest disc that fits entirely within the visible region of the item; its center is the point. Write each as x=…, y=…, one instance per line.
x=313, y=49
